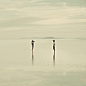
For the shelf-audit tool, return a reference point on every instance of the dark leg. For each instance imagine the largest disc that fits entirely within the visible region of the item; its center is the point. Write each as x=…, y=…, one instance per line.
x=54, y=50
x=32, y=48
x=54, y=59
x=32, y=59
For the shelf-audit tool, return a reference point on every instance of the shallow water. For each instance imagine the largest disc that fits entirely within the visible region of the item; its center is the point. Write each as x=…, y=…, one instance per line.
x=20, y=67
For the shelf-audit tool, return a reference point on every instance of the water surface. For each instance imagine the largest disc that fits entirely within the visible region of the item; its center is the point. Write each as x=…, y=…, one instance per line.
x=20, y=67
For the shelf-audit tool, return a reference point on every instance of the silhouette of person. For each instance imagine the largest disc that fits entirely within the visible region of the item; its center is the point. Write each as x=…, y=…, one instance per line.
x=54, y=45
x=32, y=42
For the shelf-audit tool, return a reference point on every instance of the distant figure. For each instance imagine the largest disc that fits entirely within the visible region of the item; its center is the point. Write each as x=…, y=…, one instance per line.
x=32, y=42
x=54, y=45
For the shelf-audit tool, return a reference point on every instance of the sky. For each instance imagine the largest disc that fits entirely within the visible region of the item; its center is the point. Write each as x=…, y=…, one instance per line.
x=42, y=18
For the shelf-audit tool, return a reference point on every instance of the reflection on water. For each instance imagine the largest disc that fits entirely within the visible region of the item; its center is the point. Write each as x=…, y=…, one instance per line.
x=21, y=68
x=54, y=60
x=32, y=59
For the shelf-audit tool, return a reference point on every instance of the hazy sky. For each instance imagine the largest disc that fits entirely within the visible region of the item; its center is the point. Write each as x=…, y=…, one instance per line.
x=34, y=18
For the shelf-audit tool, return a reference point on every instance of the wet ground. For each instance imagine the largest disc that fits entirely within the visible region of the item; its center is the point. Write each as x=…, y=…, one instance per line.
x=20, y=67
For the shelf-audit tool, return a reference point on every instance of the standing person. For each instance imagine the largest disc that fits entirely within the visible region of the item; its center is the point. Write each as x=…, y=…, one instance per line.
x=54, y=45
x=32, y=42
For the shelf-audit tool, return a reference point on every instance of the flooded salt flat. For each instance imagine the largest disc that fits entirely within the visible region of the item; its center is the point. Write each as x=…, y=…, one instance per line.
x=43, y=21
x=20, y=67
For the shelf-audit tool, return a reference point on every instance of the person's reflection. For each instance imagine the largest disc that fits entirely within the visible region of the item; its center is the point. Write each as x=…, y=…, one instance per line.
x=54, y=59
x=32, y=59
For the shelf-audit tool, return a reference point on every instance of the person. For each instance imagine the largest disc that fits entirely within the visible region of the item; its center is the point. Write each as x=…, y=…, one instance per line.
x=54, y=45
x=32, y=42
